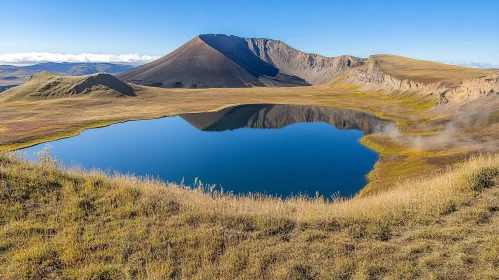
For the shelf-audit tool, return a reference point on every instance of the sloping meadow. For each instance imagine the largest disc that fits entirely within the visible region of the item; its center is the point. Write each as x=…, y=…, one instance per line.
x=69, y=223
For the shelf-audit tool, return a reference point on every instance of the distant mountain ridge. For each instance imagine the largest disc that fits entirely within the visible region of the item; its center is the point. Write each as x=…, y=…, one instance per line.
x=15, y=75
x=79, y=69
x=226, y=61
x=216, y=61
x=231, y=61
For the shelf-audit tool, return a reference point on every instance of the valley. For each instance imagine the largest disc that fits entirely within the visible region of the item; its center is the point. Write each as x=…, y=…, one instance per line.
x=26, y=123
x=429, y=209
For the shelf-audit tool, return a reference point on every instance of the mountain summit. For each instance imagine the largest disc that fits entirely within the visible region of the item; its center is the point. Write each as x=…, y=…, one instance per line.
x=215, y=61
x=231, y=61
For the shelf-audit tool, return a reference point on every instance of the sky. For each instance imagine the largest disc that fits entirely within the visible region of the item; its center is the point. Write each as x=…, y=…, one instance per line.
x=432, y=30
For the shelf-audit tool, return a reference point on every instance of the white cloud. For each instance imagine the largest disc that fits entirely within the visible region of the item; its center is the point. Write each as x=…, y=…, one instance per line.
x=32, y=58
x=473, y=64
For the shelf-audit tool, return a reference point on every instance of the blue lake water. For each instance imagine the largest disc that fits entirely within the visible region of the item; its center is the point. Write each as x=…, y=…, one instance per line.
x=273, y=149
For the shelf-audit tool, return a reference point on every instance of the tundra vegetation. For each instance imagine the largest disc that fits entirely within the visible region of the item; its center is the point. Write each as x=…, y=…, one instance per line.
x=70, y=223
x=430, y=210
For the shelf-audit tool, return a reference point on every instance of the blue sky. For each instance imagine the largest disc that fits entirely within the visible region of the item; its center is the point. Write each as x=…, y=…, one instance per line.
x=433, y=30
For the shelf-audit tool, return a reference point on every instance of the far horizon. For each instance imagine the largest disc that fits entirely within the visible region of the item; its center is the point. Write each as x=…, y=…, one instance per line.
x=71, y=62
x=30, y=59
x=355, y=28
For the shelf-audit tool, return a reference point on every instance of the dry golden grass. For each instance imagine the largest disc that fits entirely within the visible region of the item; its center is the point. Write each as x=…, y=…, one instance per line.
x=426, y=71
x=58, y=223
x=69, y=114
x=27, y=123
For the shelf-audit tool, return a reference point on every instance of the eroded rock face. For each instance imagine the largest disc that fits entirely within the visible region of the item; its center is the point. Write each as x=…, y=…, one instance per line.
x=371, y=78
x=314, y=69
x=472, y=89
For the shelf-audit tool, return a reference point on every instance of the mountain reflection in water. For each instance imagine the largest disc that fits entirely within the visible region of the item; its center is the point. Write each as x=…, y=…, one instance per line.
x=306, y=155
x=278, y=116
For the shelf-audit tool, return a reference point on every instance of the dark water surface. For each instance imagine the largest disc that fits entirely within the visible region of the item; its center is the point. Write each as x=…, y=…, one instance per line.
x=272, y=149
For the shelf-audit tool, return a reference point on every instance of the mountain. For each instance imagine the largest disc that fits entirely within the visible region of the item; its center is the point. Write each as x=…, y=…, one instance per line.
x=197, y=64
x=230, y=61
x=46, y=85
x=15, y=75
x=218, y=61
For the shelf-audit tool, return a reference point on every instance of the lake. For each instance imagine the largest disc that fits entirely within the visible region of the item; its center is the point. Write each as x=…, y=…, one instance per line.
x=272, y=149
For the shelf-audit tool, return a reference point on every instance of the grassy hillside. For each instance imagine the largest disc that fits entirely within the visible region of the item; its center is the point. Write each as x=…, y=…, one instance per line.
x=441, y=139
x=45, y=85
x=57, y=223
x=426, y=71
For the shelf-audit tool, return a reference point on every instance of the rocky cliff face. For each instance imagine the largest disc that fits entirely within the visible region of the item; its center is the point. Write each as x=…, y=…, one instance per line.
x=371, y=77
x=471, y=89
x=314, y=69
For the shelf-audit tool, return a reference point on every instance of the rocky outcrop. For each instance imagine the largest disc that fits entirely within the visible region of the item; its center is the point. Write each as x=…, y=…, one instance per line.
x=371, y=77
x=313, y=68
x=469, y=90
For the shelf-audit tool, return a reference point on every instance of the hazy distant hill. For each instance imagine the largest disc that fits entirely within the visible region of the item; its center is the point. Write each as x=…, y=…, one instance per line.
x=16, y=75
x=4, y=88
x=78, y=69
